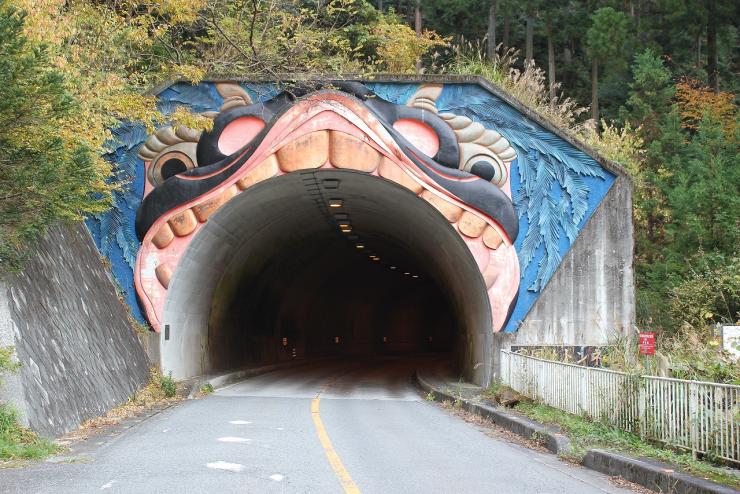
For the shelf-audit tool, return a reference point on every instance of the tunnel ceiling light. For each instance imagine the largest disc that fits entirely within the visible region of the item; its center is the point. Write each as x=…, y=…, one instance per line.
x=360, y=246
x=415, y=276
x=344, y=224
x=335, y=203
x=407, y=273
x=393, y=267
x=347, y=230
x=376, y=258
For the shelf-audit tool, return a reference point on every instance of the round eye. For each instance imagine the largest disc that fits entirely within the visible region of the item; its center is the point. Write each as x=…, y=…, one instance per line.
x=172, y=167
x=168, y=165
x=487, y=168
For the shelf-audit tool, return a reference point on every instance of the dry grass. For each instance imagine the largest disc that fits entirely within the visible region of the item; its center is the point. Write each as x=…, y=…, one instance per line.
x=150, y=396
x=530, y=87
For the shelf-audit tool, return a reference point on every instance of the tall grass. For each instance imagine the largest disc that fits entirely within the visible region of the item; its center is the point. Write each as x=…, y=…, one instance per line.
x=17, y=442
x=529, y=86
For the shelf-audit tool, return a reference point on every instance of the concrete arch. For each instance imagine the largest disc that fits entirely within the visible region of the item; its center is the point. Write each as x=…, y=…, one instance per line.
x=278, y=253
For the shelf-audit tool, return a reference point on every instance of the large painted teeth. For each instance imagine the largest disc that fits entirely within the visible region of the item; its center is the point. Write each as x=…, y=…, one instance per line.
x=492, y=238
x=267, y=169
x=163, y=237
x=308, y=151
x=205, y=209
x=315, y=149
x=471, y=225
x=450, y=211
x=347, y=151
x=183, y=223
x=388, y=169
x=164, y=274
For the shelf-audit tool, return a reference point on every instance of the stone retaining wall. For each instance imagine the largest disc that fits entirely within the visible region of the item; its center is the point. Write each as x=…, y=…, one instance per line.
x=79, y=356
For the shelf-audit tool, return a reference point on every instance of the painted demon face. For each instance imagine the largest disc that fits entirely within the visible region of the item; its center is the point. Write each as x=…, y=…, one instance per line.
x=457, y=165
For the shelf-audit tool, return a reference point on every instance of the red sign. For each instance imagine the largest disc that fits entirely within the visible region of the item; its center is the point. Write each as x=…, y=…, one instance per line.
x=647, y=343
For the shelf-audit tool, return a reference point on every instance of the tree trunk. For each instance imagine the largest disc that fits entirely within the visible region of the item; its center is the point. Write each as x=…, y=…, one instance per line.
x=567, y=55
x=505, y=41
x=551, y=60
x=712, y=70
x=380, y=5
x=491, y=45
x=530, y=38
x=698, y=49
x=417, y=26
x=595, y=92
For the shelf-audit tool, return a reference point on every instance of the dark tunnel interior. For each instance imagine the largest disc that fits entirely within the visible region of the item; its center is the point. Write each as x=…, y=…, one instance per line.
x=324, y=298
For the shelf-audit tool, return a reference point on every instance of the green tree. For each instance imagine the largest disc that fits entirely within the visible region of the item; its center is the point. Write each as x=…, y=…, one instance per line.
x=650, y=109
x=704, y=193
x=43, y=177
x=650, y=96
x=605, y=40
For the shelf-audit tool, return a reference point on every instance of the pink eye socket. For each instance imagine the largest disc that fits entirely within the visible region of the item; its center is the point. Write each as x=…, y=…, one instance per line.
x=239, y=133
x=421, y=135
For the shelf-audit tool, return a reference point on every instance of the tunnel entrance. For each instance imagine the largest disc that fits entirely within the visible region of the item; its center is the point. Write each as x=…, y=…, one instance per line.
x=324, y=263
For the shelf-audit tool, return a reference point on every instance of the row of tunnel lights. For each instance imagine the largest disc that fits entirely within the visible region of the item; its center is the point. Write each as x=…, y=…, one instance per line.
x=346, y=227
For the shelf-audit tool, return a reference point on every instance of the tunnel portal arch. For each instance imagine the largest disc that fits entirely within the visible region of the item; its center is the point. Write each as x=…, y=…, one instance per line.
x=285, y=230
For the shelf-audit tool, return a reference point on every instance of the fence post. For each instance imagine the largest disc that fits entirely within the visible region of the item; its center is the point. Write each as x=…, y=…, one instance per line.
x=508, y=365
x=642, y=406
x=694, y=418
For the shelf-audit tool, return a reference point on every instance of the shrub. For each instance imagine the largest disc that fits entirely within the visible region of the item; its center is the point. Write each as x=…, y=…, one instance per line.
x=19, y=442
x=709, y=293
x=168, y=385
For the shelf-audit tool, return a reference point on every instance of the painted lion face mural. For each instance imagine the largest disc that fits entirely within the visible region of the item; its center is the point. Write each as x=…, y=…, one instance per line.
x=459, y=166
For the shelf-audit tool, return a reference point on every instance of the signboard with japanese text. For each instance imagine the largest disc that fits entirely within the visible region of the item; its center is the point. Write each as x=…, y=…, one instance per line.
x=647, y=343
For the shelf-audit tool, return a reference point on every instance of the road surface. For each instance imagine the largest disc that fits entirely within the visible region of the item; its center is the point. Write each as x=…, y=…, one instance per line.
x=328, y=427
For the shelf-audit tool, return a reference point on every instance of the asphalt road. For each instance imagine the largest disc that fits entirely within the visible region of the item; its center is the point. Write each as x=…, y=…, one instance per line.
x=324, y=428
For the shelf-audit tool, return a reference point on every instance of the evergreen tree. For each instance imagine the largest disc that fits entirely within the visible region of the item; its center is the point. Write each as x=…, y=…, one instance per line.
x=605, y=39
x=42, y=177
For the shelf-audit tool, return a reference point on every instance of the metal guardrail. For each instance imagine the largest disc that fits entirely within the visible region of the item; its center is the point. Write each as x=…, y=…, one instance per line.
x=701, y=417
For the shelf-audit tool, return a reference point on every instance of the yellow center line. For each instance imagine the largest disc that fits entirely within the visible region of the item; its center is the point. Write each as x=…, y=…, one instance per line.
x=341, y=472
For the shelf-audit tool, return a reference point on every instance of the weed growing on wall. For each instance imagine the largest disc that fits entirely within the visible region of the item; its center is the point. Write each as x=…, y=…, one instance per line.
x=17, y=442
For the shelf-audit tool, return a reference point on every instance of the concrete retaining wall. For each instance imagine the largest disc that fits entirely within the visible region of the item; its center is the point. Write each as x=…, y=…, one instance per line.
x=79, y=355
x=591, y=296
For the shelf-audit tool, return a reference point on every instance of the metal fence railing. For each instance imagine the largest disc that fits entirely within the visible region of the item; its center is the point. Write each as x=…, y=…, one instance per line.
x=701, y=417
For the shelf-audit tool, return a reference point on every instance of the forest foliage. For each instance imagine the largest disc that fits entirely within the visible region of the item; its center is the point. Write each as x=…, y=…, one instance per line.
x=660, y=77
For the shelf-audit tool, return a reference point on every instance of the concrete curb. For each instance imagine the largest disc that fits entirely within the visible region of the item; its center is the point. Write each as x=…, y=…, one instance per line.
x=555, y=442
x=648, y=473
x=221, y=380
x=651, y=474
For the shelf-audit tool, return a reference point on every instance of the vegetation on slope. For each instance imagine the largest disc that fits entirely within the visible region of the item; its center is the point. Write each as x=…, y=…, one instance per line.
x=17, y=442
